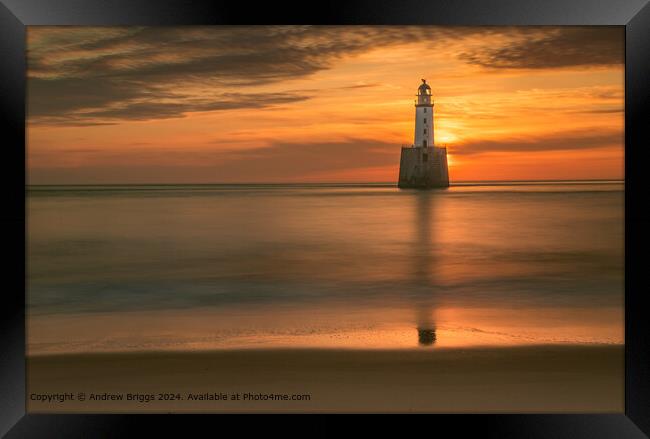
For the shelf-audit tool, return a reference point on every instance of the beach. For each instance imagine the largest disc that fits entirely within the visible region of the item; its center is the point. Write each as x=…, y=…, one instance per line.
x=485, y=380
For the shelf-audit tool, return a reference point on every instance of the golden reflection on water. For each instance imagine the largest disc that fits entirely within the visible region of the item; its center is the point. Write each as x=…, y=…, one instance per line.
x=424, y=262
x=377, y=269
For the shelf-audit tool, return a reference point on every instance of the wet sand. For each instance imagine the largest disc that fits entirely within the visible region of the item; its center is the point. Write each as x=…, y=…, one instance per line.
x=506, y=379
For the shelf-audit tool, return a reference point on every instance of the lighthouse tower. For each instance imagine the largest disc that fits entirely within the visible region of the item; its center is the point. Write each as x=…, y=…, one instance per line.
x=423, y=165
x=424, y=116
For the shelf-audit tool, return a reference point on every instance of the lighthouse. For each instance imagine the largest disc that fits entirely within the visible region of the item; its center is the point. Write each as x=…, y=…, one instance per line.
x=424, y=116
x=423, y=164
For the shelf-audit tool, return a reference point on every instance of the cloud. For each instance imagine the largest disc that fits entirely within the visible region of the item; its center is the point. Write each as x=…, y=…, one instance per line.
x=610, y=110
x=287, y=158
x=276, y=162
x=562, y=47
x=150, y=110
x=102, y=101
x=355, y=86
x=81, y=74
x=86, y=75
x=562, y=141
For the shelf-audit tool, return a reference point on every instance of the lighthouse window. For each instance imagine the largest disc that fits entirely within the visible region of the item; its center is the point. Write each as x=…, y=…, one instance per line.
x=425, y=131
x=425, y=109
x=425, y=120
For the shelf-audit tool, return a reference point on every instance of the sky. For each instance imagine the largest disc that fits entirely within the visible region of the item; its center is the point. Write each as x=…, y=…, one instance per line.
x=219, y=104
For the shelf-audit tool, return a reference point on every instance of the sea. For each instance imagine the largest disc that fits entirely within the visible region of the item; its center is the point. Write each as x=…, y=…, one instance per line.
x=113, y=268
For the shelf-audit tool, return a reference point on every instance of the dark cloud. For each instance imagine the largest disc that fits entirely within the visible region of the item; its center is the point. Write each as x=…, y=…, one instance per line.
x=563, y=47
x=63, y=95
x=563, y=141
x=85, y=75
x=231, y=101
x=104, y=101
x=129, y=72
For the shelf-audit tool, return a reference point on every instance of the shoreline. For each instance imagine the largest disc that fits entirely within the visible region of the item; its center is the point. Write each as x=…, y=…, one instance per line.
x=532, y=378
x=331, y=326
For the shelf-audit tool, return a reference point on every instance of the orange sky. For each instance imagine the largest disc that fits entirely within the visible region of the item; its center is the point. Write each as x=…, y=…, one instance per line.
x=297, y=103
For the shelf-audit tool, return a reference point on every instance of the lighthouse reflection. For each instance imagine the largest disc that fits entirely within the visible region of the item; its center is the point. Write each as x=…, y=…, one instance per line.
x=423, y=263
x=426, y=336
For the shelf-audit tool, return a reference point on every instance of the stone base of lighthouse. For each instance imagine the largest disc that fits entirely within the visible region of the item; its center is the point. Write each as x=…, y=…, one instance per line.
x=423, y=167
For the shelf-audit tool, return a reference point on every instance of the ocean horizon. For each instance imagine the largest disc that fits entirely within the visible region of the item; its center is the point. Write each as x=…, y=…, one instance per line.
x=336, y=183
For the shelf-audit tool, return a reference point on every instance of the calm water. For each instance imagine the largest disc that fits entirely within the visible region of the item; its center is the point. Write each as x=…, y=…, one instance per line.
x=114, y=268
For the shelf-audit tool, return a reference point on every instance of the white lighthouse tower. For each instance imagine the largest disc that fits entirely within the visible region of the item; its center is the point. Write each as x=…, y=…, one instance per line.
x=423, y=165
x=424, y=116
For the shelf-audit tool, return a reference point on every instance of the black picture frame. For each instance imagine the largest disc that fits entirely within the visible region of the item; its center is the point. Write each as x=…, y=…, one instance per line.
x=15, y=15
